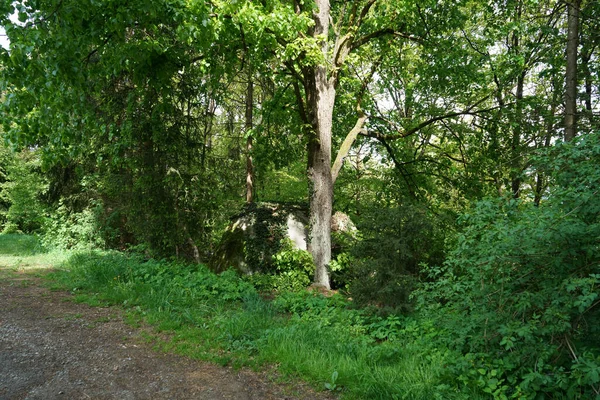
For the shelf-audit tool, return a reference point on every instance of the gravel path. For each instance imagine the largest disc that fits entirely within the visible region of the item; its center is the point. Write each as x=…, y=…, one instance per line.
x=52, y=348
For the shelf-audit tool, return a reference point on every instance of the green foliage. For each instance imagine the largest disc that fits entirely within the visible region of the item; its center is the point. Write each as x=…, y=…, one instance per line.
x=293, y=271
x=26, y=252
x=269, y=230
x=295, y=268
x=13, y=244
x=395, y=242
x=519, y=293
x=170, y=284
x=256, y=236
x=135, y=109
x=332, y=385
x=67, y=229
x=341, y=268
x=22, y=191
x=286, y=184
x=222, y=318
x=119, y=95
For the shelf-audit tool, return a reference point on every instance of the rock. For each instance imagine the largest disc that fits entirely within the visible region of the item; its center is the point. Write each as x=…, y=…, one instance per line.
x=258, y=233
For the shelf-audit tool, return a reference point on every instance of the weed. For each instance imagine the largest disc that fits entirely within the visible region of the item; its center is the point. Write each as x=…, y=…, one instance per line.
x=223, y=319
x=72, y=317
x=331, y=385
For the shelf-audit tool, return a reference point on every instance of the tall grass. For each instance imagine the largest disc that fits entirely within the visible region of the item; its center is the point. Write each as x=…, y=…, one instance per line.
x=222, y=318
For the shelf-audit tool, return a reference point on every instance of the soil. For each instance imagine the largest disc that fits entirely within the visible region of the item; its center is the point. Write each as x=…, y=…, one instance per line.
x=53, y=348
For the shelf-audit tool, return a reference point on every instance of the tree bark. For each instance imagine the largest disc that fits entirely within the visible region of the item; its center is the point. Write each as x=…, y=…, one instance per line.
x=541, y=185
x=571, y=71
x=516, y=139
x=249, y=123
x=320, y=94
x=347, y=145
x=586, y=58
x=515, y=154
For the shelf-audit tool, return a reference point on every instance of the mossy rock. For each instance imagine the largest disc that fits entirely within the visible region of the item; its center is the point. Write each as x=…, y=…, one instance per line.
x=257, y=233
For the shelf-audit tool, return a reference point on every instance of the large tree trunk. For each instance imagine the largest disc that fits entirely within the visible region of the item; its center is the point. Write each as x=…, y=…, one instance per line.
x=320, y=94
x=571, y=72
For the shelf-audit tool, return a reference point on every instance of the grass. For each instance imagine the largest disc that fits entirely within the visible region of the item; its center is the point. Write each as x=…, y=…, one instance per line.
x=24, y=252
x=222, y=318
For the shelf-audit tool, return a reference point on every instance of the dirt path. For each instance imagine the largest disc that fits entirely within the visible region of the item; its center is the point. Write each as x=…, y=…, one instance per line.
x=52, y=348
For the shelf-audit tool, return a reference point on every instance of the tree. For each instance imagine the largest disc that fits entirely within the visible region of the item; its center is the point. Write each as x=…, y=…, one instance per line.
x=316, y=59
x=126, y=92
x=571, y=85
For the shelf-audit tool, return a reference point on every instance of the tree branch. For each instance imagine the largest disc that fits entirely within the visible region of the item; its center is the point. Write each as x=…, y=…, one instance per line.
x=398, y=165
x=365, y=11
x=347, y=144
x=380, y=33
x=301, y=106
x=433, y=120
x=358, y=126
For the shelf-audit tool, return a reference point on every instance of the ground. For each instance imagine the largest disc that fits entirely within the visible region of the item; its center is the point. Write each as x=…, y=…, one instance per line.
x=54, y=348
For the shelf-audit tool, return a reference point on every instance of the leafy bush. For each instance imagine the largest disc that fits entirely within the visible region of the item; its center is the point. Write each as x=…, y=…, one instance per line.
x=150, y=280
x=67, y=229
x=387, y=260
x=22, y=190
x=519, y=295
x=294, y=269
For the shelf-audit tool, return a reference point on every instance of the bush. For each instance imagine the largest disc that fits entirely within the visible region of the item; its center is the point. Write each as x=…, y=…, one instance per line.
x=74, y=230
x=152, y=283
x=294, y=269
x=386, y=264
x=22, y=190
x=519, y=294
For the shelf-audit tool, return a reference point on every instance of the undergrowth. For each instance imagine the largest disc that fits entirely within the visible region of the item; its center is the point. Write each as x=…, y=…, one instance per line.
x=224, y=319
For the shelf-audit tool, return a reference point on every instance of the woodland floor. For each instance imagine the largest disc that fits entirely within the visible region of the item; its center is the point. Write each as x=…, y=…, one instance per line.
x=54, y=348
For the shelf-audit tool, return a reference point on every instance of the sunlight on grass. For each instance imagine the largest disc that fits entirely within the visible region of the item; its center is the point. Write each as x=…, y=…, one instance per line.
x=223, y=319
x=25, y=253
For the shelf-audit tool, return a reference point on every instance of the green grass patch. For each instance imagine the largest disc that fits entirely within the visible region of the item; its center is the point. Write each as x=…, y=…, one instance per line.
x=222, y=318
x=20, y=245
x=25, y=253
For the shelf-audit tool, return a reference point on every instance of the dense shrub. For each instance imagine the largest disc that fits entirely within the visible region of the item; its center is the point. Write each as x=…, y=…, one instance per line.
x=293, y=270
x=519, y=294
x=21, y=191
x=386, y=264
x=68, y=229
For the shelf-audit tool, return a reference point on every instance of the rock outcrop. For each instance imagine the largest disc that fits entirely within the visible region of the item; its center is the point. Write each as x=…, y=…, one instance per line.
x=261, y=230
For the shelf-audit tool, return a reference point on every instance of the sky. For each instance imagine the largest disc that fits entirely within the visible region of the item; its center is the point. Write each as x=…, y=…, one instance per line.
x=3, y=38
x=4, y=42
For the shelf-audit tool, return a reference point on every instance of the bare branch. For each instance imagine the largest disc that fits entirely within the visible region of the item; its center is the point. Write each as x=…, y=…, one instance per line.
x=383, y=32
x=347, y=145
x=433, y=120
x=358, y=126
